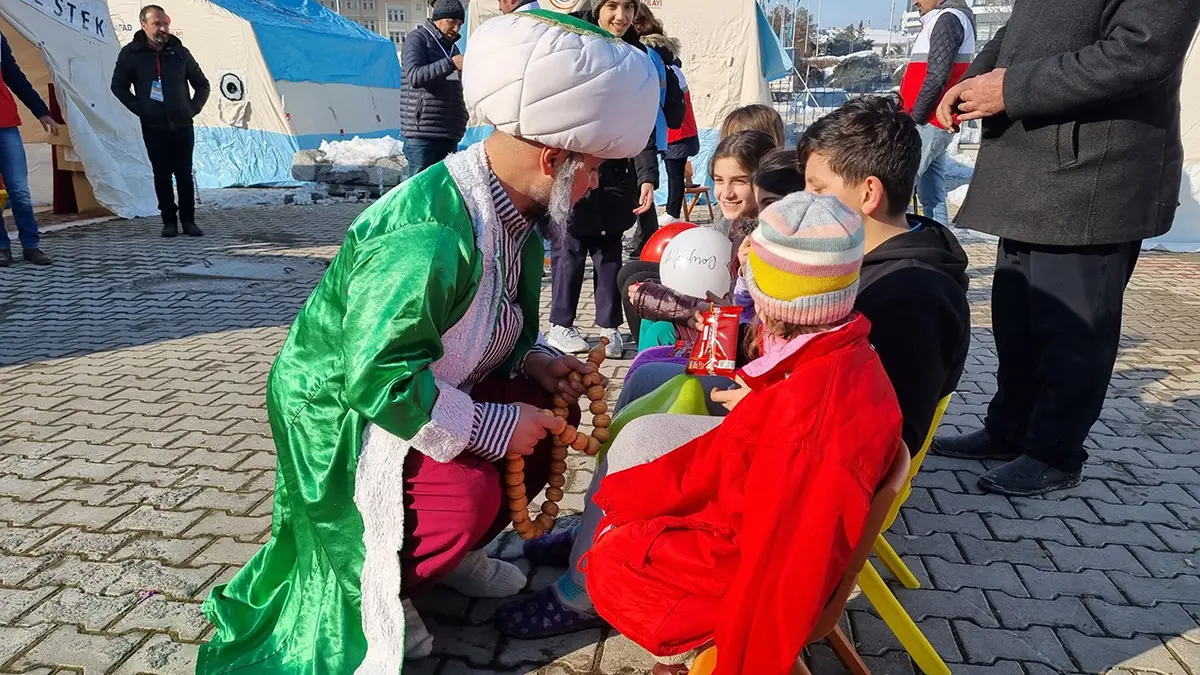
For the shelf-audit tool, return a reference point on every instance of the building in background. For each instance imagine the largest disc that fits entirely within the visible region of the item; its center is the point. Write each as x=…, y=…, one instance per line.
x=393, y=19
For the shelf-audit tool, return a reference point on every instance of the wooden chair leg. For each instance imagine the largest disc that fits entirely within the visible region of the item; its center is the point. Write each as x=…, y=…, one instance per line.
x=709, y=200
x=846, y=653
x=689, y=203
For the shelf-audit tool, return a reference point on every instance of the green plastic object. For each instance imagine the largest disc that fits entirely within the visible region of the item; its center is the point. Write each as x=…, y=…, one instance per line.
x=680, y=395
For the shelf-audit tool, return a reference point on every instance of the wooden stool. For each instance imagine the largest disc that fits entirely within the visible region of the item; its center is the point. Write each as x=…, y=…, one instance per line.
x=692, y=194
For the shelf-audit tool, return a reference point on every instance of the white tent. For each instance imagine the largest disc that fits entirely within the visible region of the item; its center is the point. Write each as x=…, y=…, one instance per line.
x=73, y=45
x=1185, y=234
x=727, y=48
x=285, y=75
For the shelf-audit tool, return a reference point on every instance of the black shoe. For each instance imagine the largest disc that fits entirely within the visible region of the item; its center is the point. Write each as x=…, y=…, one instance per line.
x=975, y=445
x=35, y=256
x=191, y=230
x=5, y=257
x=170, y=230
x=1026, y=477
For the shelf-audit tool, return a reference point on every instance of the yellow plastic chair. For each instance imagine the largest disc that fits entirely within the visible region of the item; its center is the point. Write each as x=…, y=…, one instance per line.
x=876, y=590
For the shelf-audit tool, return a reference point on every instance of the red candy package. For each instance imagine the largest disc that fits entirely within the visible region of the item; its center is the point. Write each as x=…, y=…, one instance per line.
x=715, y=352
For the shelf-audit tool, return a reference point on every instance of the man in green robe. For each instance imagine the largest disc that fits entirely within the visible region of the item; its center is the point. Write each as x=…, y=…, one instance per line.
x=416, y=365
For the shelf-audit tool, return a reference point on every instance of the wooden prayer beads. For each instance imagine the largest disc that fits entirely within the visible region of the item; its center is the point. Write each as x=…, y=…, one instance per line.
x=567, y=437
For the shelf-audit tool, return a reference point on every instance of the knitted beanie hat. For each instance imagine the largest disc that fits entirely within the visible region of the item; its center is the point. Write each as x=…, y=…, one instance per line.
x=448, y=9
x=804, y=260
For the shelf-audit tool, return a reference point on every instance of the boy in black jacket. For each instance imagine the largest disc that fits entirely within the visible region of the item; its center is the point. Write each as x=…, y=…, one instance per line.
x=913, y=282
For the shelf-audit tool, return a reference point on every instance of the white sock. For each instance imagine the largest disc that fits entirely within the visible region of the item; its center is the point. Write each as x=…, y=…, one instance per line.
x=479, y=576
x=418, y=642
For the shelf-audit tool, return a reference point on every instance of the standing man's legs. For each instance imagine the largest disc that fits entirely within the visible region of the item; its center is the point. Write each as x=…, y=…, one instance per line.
x=675, y=171
x=158, y=148
x=183, y=144
x=1076, y=296
x=423, y=153
x=567, y=265
x=606, y=263
x=14, y=169
x=1017, y=377
x=931, y=176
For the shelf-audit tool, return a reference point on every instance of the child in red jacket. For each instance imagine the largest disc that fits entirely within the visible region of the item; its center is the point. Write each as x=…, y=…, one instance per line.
x=742, y=534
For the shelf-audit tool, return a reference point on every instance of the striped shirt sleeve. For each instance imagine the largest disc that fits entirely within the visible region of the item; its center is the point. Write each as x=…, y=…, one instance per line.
x=492, y=430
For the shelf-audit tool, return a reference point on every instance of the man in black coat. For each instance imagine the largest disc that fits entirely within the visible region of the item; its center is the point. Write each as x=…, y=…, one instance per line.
x=1081, y=159
x=159, y=69
x=434, y=115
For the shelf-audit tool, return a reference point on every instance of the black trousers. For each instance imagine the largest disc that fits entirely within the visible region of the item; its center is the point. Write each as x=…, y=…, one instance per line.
x=567, y=265
x=647, y=225
x=1056, y=316
x=634, y=272
x=170, y=152
x=675, y=170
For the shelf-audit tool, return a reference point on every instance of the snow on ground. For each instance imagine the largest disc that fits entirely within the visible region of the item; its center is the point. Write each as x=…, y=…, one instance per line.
x=361, y=151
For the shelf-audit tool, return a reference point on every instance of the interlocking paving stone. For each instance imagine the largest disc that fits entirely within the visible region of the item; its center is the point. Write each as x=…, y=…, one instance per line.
x=136, y=473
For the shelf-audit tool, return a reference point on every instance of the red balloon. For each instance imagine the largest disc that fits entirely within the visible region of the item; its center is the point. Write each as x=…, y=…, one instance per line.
x=653, y=250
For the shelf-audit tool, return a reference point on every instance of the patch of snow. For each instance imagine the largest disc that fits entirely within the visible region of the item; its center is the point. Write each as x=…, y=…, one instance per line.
x=358, y=152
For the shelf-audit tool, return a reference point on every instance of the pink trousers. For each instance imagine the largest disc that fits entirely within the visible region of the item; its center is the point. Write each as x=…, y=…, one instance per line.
x=451, y=509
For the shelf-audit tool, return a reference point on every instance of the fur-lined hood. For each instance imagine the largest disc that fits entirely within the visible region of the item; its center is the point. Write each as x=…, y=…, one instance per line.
x=660, y=42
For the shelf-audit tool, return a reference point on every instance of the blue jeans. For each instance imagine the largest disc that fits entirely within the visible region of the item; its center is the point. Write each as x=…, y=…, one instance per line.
x=423, y=153
x=931, y=177
x=15, y=172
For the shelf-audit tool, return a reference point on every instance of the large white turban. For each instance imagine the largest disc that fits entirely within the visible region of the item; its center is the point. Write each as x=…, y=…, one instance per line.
x=561, y=82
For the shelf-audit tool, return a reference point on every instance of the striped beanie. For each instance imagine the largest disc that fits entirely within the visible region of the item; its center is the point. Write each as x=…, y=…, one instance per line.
x=804, y=260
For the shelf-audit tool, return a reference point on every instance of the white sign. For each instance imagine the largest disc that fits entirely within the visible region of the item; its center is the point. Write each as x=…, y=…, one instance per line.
x=89, y=17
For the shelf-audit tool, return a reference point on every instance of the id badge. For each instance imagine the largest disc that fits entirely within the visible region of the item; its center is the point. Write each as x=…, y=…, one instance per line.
x=156, y=92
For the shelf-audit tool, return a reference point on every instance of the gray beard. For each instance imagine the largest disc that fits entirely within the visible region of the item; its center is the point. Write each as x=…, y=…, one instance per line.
x=559, y=210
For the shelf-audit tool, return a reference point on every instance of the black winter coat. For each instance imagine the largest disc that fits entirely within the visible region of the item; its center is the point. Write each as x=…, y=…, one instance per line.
x=138, y=65
x=607, y=211
x=1088, y=151
x=432, y=104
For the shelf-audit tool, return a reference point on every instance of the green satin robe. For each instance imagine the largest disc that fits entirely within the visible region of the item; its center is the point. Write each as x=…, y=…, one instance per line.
x=359, y=351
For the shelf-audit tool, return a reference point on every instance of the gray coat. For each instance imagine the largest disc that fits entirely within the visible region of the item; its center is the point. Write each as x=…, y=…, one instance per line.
x=1089, y=150
x=431, y=95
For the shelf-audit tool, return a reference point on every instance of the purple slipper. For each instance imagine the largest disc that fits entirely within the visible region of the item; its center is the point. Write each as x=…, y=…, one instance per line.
x=541, y=615
x=553, y=549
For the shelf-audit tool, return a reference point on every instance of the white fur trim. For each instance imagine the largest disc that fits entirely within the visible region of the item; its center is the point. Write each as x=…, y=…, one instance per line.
x=379, y=481
x=449, y=430
x=379, y=496
x=466, y=342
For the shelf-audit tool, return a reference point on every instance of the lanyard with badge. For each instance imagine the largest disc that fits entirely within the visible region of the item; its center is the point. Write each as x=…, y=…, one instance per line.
x=156, y=89
x=438, y=40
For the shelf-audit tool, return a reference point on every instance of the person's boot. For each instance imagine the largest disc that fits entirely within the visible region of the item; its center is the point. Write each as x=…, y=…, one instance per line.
x=170, y=230
x=35, y=256
x=5, y=257
x=975, y=445
x=1026, y=477
x=191, y=230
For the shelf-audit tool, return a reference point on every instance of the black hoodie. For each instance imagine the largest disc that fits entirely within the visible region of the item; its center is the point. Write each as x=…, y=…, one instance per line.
x=913, y=288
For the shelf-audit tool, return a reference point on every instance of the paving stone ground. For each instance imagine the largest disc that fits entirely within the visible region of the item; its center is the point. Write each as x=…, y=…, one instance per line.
x=136, y=471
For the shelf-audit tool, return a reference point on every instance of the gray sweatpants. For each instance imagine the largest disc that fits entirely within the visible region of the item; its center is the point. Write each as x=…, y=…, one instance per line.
x=640, y=442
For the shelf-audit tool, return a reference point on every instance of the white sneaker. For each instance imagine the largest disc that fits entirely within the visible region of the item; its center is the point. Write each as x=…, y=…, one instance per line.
x=567, y=339
x=616, y=343
x=418, y=642
x=666, y=219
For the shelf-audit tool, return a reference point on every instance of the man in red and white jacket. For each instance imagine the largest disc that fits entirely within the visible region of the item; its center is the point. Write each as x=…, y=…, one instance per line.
x=13, y=166
x=941, y=55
